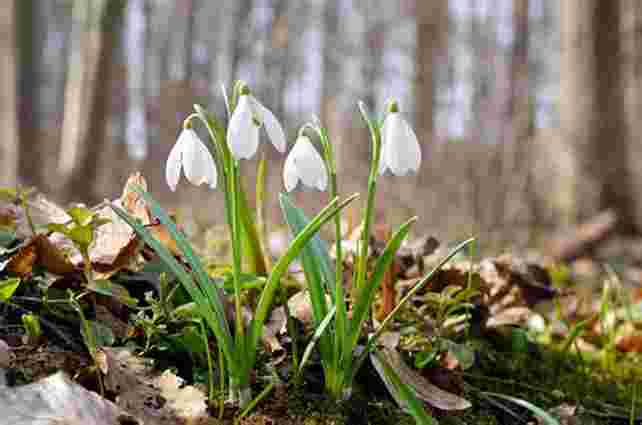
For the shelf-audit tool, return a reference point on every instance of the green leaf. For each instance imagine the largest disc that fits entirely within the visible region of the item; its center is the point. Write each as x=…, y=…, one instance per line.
x=209, y=303
x=81, y=235
x=31, y=322
x=319, y=274
x=404, y=394
x=425, y=358
x=59, y=228
x=316, y=248
x=537, y=411
x=367, y=293
x=8, y=287
x=281, y=266
x=81, y=216
x=315, y=338
x=111, y=289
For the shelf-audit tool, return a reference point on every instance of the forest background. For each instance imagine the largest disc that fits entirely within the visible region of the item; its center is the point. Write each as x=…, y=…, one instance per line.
x=528, y=111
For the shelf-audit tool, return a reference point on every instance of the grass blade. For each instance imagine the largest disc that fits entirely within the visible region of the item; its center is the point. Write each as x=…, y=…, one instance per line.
x=537, y=411
x=366, y=294
x=315, y=338
x=209, y=306
x=281, y=266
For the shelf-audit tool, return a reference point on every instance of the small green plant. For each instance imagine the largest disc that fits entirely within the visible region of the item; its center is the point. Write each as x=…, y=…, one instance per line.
x=238, y=342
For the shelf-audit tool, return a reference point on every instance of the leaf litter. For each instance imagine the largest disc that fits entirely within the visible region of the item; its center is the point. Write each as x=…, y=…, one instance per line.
x=510, y=293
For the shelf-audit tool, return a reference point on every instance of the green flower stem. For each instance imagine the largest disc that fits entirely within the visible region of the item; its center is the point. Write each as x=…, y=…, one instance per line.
x=341, y=329
x=375, y=136
x=236, y=255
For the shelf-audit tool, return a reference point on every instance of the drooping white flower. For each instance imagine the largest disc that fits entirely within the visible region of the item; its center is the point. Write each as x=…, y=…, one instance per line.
x=305, y=164
x=190, y=154
x=400, y=152
x=243, y=130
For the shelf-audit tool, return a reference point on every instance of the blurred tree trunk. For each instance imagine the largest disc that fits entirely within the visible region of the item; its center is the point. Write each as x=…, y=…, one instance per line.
x=28, y=94
x=517, y=168
x=432, y=40
x=632, y=33
x=592, y=108
x=87, y=94
x=331, y=113
x=9, y=100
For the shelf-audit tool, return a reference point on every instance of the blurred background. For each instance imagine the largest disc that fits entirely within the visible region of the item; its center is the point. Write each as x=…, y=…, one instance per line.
x=527, y=111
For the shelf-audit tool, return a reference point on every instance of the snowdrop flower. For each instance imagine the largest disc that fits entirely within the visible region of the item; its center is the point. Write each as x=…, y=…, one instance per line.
x=400, y=150
x=243, y=130
x=192, y=155
x=304, y=163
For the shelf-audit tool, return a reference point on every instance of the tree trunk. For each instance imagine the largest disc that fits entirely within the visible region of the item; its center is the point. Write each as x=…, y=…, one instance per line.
x=8, y=102
x=632, y=33
x=29, y=23
x=592, y=108
x=432, y=39
x=87, y=96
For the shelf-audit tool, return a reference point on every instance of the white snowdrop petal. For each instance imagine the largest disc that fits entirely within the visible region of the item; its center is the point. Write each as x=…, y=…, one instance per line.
x=413, y=149
x=242, y=132
x=174, y=163
x=309, y=164
x=290, y=173
x=395, y=151
x=198, y=162
x=272, y=126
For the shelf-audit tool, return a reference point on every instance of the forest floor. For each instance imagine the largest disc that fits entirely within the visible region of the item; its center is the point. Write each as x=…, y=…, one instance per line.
x=553, y=334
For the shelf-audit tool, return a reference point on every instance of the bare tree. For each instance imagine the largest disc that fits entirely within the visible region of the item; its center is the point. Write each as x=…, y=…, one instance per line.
x=86, y=96
x=432, y=40
x=593, y=107
x=8, y=104
x=29, y=27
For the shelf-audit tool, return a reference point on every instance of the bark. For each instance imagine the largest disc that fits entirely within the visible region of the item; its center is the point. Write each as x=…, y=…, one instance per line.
x=432, y=40
x=28, y=94
x=592, y=108
x=632, y=33
x=8, y=102
x=87, y=96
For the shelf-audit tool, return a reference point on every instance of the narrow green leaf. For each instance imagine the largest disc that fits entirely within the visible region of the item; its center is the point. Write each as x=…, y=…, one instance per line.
x=315, y=338
x=81, y=216
x=367, y=293
x=205, y=301
x=316, y=263
x=316, y=248
x=281, y=266
x=537, y=411
x=31, y=323
x=8, y=287
x=114, y=290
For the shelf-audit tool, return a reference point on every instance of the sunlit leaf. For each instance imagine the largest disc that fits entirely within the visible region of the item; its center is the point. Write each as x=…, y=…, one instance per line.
x=546, y=418
x=114, y=290
x=81, y=216
x=8, y=287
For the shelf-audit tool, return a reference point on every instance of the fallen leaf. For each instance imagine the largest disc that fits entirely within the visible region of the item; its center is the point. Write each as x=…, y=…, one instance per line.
x=424, y=389
x=58, y=400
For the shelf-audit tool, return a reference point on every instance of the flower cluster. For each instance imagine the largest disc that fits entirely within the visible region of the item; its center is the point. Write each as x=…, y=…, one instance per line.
x=400, y=151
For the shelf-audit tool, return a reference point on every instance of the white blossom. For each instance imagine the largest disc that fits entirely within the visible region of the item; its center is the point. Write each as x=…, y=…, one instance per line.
x=400, y=152
x=243, y=130
x=190, y=154
x=305, y=164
